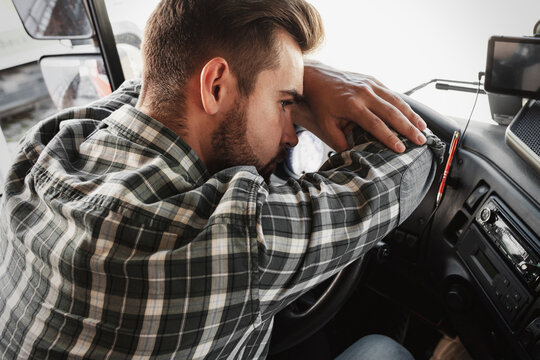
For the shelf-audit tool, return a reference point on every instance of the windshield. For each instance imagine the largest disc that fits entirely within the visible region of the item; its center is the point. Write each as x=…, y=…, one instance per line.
x=407, y=43
x=403, y=44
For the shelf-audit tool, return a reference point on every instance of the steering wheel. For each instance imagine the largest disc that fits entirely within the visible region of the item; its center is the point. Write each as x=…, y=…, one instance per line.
x=313, y=310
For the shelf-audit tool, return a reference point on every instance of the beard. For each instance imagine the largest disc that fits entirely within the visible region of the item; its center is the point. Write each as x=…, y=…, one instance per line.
x=231, y=147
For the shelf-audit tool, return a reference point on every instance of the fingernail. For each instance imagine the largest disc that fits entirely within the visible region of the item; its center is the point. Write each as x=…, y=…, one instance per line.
x=400, y=147
x=422, y=124
x=421, y=139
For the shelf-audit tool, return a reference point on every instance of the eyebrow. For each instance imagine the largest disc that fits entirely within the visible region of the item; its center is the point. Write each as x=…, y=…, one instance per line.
x=298, y=98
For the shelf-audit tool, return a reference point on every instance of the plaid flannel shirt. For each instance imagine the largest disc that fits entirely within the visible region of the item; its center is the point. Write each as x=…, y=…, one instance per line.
x=115, y=241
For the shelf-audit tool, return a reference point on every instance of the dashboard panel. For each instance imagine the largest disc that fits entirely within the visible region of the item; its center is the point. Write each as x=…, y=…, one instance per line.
x=483, y=248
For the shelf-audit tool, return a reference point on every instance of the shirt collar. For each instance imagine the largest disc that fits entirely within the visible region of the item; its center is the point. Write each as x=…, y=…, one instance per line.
x=142, y=129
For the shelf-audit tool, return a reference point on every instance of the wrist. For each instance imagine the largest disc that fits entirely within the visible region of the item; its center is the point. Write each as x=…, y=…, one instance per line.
x=316, y=78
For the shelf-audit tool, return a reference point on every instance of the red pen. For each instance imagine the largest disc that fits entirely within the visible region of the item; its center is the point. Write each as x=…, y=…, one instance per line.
x=453, y=146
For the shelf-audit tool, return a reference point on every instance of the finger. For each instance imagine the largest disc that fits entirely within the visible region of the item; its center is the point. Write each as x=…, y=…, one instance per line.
x=359, y=112
x=378, y=128
x=397, y=120
x=374, y=115
x=394, y=99
x=335, y=137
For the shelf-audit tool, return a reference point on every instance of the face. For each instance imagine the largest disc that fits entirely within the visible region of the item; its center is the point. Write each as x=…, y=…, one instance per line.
x=258, y=129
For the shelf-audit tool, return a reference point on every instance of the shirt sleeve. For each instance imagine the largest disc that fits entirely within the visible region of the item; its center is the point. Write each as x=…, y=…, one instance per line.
x=311, y=228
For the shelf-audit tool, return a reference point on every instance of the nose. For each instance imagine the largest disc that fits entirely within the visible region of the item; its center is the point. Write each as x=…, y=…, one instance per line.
x=289, y=137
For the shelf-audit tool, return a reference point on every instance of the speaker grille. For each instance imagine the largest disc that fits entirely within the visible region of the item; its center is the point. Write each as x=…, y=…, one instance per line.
x=527, y=127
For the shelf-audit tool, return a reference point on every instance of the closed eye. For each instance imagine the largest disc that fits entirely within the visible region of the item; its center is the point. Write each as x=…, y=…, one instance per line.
x=285, y=103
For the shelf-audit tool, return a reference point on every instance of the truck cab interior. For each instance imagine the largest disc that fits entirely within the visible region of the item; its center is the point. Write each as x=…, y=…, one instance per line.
x=463, y=269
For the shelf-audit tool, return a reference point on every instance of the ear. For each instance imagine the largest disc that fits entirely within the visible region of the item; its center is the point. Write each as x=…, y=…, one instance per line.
x=215, y=84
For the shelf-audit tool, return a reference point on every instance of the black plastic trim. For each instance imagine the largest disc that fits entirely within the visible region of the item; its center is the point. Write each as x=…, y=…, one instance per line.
x=107, y=44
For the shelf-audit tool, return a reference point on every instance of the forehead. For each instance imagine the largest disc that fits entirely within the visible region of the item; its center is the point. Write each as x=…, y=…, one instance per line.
x=289, y=73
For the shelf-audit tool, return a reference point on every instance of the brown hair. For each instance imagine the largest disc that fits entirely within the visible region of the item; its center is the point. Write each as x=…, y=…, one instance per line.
x=181, y=35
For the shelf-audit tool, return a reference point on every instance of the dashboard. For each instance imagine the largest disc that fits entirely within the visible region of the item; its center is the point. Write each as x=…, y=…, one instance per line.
x=482, y=252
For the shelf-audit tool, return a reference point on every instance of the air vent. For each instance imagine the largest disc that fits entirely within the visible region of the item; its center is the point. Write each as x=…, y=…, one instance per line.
x=523, y=134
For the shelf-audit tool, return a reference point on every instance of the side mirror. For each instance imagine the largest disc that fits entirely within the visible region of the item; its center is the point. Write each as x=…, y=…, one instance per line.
x=54, y=19
x=75, y=80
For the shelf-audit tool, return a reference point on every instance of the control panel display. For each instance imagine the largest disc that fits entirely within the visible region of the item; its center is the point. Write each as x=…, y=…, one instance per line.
x=513, y=65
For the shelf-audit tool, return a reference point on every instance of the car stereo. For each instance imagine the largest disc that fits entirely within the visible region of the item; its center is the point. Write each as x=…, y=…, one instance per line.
x=513, y=66
x=510, y=241
x=504, y=257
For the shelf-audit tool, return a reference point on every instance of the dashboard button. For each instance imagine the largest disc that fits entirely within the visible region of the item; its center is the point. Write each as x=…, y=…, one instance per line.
x=476, y=196
x=485, y=214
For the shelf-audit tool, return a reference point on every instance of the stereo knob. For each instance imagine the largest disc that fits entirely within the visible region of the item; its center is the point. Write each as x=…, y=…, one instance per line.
x=487, y=215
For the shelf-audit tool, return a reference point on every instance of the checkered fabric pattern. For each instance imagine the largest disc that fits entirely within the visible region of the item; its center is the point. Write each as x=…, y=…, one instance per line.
x=116, y=242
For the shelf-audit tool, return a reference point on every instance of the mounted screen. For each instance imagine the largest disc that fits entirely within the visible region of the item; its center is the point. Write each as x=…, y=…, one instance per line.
x=513, y=66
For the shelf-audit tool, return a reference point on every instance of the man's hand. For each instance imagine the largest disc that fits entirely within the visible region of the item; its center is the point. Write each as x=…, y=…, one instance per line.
x=340, y=100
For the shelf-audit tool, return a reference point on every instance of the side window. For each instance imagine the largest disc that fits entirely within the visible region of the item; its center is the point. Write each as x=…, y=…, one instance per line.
x=23, y=95
x=59, y=64
x=128, y=18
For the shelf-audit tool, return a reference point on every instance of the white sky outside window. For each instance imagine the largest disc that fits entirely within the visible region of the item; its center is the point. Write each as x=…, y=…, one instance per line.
x=406, y=43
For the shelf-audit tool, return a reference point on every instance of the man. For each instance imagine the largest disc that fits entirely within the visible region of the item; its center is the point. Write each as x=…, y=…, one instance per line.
x=142, y=226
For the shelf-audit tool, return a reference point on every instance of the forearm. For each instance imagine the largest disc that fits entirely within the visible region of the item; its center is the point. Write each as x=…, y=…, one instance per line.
x=419, y=170
x=314, y=227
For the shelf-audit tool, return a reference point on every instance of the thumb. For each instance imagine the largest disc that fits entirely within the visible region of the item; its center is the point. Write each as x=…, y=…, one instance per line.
x=336, y=138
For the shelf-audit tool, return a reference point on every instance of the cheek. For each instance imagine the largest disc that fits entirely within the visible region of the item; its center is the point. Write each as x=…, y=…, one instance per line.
x=264, y=133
